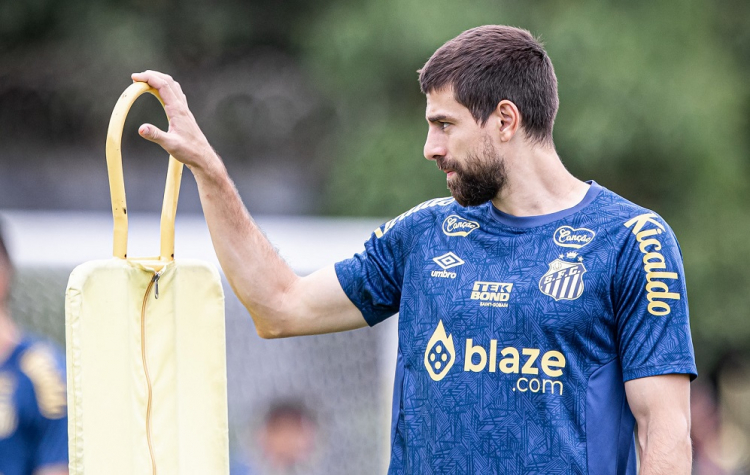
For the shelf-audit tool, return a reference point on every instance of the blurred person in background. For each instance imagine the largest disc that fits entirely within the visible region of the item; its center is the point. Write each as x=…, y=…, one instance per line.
x=721, y=418
x=540, y=316
x=33, y=405
x=284, y=444
x=733, y=384
x=705, y=430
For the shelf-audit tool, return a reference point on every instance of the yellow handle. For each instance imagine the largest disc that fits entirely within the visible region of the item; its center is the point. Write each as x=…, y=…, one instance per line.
x=117, y=183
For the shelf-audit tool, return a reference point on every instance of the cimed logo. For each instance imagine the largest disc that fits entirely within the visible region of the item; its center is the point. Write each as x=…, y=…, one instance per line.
x=440, y=353
x=455, y=225
x=567, y=236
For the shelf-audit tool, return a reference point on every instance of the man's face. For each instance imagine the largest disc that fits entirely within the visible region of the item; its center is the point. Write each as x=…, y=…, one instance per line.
x=463, y=149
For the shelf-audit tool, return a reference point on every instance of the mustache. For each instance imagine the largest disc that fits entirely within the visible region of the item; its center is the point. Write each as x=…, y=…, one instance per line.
x=444, y=165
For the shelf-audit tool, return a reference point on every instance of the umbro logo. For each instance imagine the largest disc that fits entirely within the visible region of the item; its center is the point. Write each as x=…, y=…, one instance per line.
x=446, y=261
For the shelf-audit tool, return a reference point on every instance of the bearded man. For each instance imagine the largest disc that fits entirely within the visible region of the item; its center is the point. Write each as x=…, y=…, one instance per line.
x=541, y=318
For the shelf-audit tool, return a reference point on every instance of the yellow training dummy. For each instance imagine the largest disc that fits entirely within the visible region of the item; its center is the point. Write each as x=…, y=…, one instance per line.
x=146, y=359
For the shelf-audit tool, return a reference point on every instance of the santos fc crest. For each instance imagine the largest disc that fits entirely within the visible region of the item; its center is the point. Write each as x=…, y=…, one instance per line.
x=563, y=280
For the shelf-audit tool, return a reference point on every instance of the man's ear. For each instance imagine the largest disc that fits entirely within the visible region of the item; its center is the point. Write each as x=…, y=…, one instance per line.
x=508, y=120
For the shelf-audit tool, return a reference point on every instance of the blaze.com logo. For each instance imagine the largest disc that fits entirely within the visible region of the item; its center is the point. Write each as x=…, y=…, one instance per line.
x=536, y=371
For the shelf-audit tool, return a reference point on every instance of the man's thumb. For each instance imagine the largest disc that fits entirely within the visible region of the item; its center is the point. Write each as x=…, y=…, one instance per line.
x=151, y=132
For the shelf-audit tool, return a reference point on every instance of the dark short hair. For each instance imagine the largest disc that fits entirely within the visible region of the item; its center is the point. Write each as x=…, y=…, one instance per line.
x=491, y=63
x=289, y=409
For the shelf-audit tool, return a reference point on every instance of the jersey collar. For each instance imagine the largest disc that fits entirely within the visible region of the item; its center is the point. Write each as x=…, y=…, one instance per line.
x=534, y=221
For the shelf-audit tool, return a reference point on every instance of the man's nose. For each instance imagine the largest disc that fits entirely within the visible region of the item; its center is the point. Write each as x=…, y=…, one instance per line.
x=434, y=148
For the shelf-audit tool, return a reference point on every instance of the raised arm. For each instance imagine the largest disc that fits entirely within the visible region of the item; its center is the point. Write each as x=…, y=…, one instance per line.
x=661, y=406
x=280, y=302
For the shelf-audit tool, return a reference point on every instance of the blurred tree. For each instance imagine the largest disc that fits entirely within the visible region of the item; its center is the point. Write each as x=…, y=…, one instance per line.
x=653, y=106
x=63, y=64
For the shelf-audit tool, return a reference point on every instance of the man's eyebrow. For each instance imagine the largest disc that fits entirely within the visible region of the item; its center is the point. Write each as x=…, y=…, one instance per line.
x=438, y=118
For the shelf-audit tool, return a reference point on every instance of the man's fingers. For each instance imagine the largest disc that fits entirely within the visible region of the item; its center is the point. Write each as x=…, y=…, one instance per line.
x=178, y=89
x=152, y=133
x=161, y=82
x=148, y=75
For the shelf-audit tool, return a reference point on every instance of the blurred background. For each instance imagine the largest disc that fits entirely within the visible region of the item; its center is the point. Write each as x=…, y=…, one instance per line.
x=315, y=107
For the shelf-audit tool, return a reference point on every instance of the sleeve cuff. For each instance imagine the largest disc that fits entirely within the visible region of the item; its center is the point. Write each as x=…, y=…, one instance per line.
x=644, y=372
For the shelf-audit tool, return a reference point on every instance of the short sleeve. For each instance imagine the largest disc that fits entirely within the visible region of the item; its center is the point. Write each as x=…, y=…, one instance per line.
x=650, y=302
x=372, y=279
x=53, y=442
x=44, y=367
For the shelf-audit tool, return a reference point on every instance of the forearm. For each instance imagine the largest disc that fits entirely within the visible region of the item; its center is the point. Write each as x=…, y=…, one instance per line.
x=665, y=451
x=280, y=302
x=257, y=274
x=661, y=406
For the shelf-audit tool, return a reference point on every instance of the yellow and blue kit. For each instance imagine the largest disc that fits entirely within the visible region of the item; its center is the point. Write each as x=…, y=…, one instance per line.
x=517, y=334
x=33, y=409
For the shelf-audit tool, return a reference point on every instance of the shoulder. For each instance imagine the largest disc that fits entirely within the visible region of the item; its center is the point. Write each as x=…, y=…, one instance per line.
x=646, y=244
x=42, y=364
x=419, y=218
x=628, y=221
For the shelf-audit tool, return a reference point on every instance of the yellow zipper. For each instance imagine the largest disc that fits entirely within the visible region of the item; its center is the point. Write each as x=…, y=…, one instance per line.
x=154, y=280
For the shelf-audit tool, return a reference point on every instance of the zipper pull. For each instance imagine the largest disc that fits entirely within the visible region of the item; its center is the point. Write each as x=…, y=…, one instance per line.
x=155, y=280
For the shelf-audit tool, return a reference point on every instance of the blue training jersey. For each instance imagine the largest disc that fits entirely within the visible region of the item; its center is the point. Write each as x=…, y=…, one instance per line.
x=33, y=412
x=517, y=334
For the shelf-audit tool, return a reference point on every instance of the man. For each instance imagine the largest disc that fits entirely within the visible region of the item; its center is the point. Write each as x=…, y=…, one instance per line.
x=33, y=415
x=286, y=441
x=541, y=317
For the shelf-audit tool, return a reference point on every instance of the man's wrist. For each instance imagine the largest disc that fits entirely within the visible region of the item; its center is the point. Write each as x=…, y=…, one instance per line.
x=209, y=166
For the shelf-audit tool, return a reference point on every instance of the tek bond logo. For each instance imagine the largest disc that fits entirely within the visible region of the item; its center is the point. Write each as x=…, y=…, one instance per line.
x=537, y=372
x=491, y=294
x=654, y=264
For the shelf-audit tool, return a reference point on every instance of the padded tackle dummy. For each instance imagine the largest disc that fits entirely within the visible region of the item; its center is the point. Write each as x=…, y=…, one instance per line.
x=145, y=344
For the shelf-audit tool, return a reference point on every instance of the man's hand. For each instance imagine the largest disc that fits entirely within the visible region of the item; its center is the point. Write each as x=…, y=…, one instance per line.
x=661, y=406
x=280, y=302
x=184, y=140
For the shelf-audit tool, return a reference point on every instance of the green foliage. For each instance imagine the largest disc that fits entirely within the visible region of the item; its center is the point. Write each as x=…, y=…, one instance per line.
x=382, y=169
x=653, y=106
x=654, y=101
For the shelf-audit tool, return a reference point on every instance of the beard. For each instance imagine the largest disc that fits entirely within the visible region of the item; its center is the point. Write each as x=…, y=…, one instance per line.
x=479, y=179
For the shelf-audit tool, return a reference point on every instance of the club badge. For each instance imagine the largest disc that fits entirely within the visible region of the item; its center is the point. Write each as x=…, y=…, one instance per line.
x=564, y=279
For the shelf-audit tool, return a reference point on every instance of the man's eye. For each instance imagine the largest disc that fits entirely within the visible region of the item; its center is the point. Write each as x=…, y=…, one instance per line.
x=443, y=125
